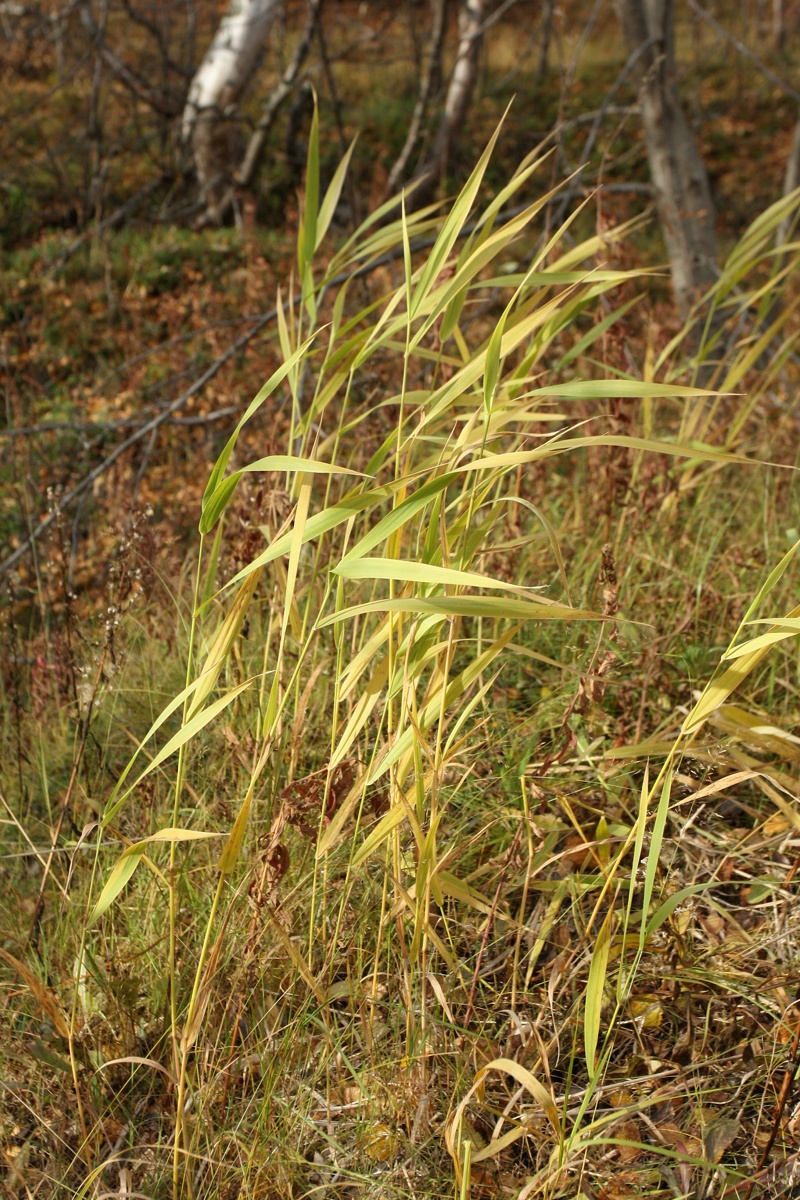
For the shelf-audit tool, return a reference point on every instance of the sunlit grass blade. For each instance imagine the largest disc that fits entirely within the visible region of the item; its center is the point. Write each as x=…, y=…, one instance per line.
x=129, y=860
x=274, y=381
x=318, y=525
x=290, y=463
x=221, y=646
x=455, y=221
x=720, y=687
x=468, y=606
x=419, y=572
x=308, y=242
x=331, y=198
x=400, y=515
x=654, y=850
x=595, y=987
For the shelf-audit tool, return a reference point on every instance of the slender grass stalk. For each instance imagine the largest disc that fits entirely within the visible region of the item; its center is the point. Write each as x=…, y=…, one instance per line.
x=180, y=1102
x=178, y=1059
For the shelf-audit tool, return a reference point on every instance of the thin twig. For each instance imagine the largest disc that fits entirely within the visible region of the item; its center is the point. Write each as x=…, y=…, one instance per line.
x=102, y=426
x=786, y=88
x=116, y=218
x=136, y=436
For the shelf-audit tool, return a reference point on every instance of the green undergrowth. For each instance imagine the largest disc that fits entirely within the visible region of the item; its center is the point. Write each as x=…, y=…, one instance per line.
x=432, y=831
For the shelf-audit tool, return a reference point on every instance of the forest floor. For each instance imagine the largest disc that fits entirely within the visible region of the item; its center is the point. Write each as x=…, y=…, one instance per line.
x=330, y=1048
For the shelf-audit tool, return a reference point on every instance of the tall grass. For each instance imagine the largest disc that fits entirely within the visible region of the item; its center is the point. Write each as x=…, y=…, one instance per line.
x=380, y=617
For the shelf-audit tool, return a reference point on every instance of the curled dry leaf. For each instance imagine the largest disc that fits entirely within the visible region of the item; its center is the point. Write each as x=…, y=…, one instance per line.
x=717, y=1137
x=302, y=801
x=379, y=1143
x=646, y=1011
x=630, y=1132
x=43, y=996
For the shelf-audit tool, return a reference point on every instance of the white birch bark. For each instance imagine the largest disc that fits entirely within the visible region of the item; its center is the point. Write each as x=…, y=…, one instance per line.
x=428, y=87
x=462, y=82
x=220, y=82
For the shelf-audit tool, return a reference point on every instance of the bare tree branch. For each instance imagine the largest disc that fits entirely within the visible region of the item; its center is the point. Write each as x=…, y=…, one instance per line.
x=165, y=105
x=118, y=217
x=279, y=94
x=135, y=437
x=786, y=88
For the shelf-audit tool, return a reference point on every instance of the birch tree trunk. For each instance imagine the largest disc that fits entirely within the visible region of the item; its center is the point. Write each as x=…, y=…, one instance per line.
x=683, y=195
x=219, y=84
x=457, y=102
x=462, y=83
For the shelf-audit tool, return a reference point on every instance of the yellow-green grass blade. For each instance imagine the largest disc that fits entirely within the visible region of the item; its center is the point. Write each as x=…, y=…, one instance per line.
x=220, y=647
x=331, y=198
x=289, y=463
x=454, y=223
x=439, y=300
x=469, y=606
x=123, y=869
x=718, y=689
x=513, y=458
x=420, y=572
x=318, y=524
x=654, y=852
x=444, y=695
x=308, y=241
x=485, y=223
x=597, y=331
x=780, y=633
x=667, y=908
x=377, y=836
x=463, y=892
x=772, y=580
x=595, y=987
x=399, y=516
x=163, y=716
x=295, y=547
x=269, y=387
x=362, y=710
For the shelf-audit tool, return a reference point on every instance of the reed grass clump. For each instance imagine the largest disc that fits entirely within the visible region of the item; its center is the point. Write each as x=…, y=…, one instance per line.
x=385, y=967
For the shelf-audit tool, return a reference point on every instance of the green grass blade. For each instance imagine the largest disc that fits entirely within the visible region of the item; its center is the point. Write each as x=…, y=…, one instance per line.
x=129, y=860
x=331, y=198
x=654, y=852
x=311, y=203
x=418, y=572
x=469, y=606
x=595, y=987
